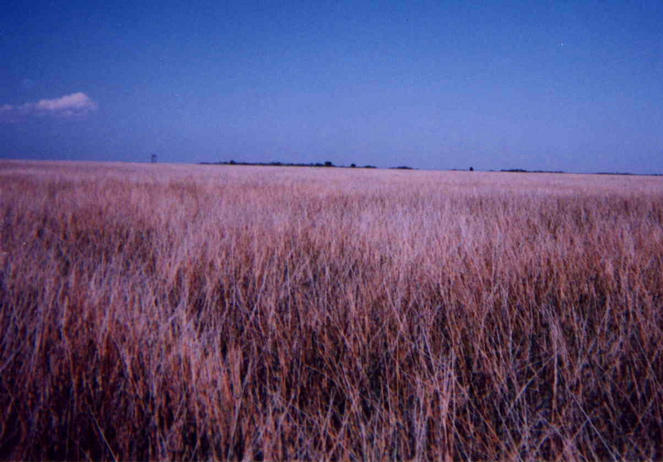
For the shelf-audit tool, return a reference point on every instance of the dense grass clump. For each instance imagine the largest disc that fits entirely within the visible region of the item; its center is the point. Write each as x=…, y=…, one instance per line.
x=162, y=312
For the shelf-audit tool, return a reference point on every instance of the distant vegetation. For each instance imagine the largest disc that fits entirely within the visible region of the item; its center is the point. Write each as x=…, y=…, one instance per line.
x=153, y=312
x=402, y=167
x=287, y=164
x=521, y=170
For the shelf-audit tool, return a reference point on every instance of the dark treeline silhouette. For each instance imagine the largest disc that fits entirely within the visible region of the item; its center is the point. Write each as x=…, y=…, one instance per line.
x=522, y=170
x=327, y=164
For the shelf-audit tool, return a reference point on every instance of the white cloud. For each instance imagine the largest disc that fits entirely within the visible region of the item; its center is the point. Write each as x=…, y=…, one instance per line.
x=76, y=104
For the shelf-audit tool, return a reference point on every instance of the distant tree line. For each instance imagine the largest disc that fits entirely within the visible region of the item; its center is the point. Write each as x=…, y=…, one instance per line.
x=327, y=164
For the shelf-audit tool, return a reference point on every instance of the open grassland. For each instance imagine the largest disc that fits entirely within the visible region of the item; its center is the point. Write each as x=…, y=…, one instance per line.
x=175, y=312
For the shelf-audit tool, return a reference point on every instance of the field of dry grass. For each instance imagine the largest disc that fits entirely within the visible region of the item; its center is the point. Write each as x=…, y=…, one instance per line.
x=176, y=312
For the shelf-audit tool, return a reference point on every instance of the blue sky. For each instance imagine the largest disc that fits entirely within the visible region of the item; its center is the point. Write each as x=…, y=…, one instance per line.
x=565, y=85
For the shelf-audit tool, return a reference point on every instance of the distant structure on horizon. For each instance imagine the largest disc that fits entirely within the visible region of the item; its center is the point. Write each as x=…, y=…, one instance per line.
x=153, y=158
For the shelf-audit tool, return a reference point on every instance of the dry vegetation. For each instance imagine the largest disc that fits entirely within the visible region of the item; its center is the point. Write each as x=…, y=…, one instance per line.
x=176, y=312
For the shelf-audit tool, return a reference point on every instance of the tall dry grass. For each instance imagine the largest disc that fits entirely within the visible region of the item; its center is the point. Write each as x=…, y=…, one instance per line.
x=176, y=312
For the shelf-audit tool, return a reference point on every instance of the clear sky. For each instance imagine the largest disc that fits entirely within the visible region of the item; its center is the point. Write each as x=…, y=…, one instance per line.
x=560, y=85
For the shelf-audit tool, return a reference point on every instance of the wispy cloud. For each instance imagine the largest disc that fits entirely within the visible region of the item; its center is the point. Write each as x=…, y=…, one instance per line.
x=67, y=106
